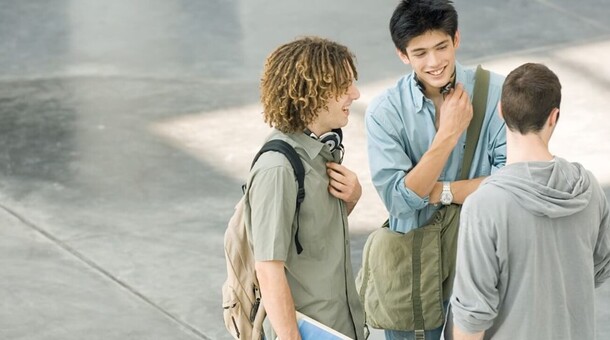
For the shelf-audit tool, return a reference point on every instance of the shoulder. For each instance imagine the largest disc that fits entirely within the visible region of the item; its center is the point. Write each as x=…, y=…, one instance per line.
x=275, y=161
x=389, y=99
x=598, y=193
x=388, y=108
x=487, y=198
x=495, y=80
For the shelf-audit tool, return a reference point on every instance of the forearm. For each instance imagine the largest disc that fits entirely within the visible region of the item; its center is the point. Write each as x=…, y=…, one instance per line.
x=424, y=176
x=278, y=300
x=459, y=334
x=460, y=190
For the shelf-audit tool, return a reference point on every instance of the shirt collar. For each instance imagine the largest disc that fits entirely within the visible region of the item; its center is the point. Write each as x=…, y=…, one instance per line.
x=311, y=146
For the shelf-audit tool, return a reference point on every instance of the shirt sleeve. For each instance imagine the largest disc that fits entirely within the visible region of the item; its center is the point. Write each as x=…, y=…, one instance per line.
x=601, y=255
x=497, y=133
x=272, y=199
x=389, y=163
x=475, y=298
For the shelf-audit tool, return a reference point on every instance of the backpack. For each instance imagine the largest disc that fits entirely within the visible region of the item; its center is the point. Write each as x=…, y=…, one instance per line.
x=243, y=311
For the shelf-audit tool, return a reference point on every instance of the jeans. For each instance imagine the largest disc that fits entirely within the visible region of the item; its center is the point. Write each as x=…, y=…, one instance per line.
x=434, y=334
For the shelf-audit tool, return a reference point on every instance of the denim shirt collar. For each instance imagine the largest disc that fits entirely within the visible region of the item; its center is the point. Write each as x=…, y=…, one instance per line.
x=418, y=96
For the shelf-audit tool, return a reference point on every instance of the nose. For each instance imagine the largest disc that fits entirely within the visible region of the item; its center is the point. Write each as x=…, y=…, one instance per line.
x=433, y=59
x=354, y=92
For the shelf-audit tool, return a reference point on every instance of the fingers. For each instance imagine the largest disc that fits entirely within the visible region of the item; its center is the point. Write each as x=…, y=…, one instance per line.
x=457, y=93
x=335, y=166
x=337, y=172
x=340, y=186
x=343, y=183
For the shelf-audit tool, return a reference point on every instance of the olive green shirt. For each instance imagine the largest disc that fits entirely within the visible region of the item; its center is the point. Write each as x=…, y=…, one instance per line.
x=320, y=278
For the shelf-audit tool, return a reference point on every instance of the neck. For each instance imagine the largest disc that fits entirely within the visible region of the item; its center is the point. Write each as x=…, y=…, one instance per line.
x=434, y=94
x=531, y=147
x=316, y=129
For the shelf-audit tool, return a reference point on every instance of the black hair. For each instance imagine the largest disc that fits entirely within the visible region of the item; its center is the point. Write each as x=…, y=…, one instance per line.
x=412, y=18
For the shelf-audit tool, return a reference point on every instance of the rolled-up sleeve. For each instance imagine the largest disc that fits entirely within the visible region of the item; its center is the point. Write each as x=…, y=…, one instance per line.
x=496, y=148
x=475, y=298
x=389, y=163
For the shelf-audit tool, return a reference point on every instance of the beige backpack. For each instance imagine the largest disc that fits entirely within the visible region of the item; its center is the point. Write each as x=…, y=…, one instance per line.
x=242, y=305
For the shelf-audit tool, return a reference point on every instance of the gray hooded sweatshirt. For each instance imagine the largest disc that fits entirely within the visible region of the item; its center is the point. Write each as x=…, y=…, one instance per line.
x=534, y=243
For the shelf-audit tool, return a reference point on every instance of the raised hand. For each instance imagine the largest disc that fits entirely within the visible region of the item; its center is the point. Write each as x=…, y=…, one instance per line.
x=455, y=112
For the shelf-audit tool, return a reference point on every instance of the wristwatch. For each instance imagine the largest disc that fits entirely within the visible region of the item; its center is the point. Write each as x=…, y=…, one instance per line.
x=446, y=195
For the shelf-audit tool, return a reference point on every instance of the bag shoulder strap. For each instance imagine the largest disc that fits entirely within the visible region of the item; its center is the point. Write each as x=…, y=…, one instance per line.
x=479, y=106
x=299, y=172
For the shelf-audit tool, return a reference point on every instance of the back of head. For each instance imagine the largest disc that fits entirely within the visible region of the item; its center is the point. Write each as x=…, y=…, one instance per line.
x=412, y=18
x=529, y=94
x=300, y=77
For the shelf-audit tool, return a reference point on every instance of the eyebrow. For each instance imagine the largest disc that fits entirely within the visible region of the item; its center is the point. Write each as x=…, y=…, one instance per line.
x=435, y=46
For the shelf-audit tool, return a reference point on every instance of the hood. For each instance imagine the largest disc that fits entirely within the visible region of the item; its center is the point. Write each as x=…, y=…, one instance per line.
x=554, y=189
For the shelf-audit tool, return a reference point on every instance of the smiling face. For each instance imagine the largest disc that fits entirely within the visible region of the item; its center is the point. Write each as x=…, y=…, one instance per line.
x=337, y=113
x=432, y=57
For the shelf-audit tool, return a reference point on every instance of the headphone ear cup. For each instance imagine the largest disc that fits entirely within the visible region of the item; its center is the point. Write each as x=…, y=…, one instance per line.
x=332, y=139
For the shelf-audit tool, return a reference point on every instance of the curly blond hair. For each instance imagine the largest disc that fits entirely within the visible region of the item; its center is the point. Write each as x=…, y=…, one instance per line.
x=300, y=77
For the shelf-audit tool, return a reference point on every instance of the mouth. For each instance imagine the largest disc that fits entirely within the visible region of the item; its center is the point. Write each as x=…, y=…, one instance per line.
x=437, y=72
x=345, y=109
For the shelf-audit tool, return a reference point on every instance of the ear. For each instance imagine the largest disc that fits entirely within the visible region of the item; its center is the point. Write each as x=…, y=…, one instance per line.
x=403, y=57
x=456, y=39
x=553, y=117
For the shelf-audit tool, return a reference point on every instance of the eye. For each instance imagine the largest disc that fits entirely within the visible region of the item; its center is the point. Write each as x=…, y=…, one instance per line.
x=443, y=47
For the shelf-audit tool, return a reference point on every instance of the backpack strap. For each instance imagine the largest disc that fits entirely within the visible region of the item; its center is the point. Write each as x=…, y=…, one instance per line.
x=479, y=106
x=299, y=172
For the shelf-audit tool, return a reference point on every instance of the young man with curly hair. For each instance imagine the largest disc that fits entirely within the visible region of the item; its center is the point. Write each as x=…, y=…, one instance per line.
x=307, y=88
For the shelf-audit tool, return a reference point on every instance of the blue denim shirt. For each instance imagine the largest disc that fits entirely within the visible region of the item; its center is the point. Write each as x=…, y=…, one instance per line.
x=400, y=129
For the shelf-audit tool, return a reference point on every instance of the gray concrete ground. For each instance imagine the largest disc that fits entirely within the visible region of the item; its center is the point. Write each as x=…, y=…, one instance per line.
x=127, y=128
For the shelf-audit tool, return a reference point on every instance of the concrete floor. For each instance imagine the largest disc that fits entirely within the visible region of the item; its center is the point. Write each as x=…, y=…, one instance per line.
x=127, y=128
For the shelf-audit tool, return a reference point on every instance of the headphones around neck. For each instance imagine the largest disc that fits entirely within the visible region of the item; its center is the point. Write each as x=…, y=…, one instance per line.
x=332, y=138
x=443, y=90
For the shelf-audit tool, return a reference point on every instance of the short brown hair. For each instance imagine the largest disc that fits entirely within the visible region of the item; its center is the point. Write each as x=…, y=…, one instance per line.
x=529, y=94
x=300, y=77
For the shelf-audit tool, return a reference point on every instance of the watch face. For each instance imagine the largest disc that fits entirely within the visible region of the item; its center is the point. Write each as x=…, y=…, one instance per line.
x=446, y=198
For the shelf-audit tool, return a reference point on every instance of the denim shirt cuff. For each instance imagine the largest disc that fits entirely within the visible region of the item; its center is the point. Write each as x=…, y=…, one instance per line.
x=411, y=198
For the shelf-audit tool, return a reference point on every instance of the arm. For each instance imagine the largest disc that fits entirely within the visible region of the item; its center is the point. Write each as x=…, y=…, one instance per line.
x=455, y=115
x=278, y=299
x=459, y=189
x=459, y=334
x=272, y=205
x=601, y=255
x=496, y=152
x=343, y=184
x=475, y=300
x=403, y=186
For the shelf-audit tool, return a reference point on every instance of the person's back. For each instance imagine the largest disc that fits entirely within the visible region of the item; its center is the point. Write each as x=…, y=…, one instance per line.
x=543, y=218
x=534, y=239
